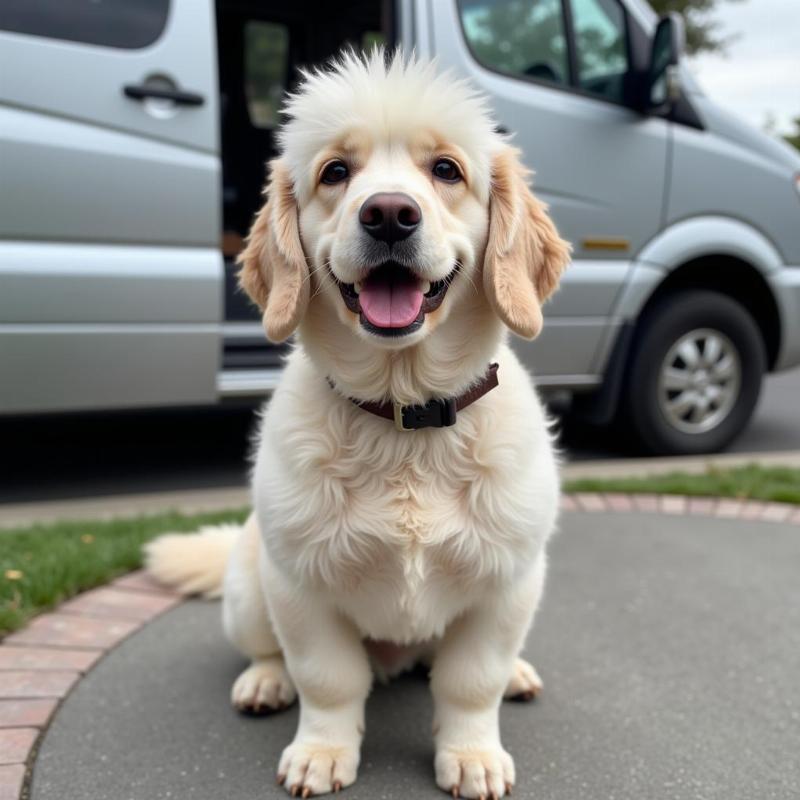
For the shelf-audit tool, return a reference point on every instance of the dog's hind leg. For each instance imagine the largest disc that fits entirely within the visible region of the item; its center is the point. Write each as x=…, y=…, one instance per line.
x=265, y=685
x=525, y=683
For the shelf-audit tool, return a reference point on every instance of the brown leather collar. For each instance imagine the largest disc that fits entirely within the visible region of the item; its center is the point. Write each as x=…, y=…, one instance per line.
x=438, y=413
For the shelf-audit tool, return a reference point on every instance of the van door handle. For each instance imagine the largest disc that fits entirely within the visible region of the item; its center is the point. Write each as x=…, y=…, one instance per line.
x=141, y=91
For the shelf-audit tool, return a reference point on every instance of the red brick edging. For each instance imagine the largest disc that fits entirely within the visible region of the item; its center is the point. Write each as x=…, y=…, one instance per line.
x=41, y=663
x=720, y=507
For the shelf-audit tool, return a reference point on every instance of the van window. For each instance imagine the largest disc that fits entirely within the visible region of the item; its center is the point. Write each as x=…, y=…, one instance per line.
x=266, y=67
x=372, y=39
x=601, y=45
x=520, y=37
x=129, y=24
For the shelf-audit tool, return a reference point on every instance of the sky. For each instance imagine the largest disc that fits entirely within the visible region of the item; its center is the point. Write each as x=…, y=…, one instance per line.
x=759, y=76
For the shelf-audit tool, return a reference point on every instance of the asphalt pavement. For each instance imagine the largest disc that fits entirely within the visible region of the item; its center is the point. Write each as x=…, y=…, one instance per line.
x=669, y=648
x=775, y=426
x=95, y=455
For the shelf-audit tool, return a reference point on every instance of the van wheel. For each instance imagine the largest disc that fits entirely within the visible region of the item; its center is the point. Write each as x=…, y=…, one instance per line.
x=694, y=375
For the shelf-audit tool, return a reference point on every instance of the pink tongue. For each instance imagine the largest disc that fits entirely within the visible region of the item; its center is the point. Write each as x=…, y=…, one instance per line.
x=390, y=304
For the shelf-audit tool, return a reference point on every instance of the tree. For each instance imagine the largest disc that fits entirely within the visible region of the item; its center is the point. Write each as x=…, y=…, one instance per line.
x=701, y=30
x=771, y=127
x=794, y=138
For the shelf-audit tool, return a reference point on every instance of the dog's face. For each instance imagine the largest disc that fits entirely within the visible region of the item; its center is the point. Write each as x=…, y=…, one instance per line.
x=394, y=204
x=397, y=224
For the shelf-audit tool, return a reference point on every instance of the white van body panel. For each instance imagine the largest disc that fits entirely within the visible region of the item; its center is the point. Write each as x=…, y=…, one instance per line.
x=785, y=285
x=56, y=282
x=701, y=236
x=720, y=236
x=573, y=346
x=73, y=181
x=72, y=367
x=732, y=170
x=110, y=265
x=79, y=81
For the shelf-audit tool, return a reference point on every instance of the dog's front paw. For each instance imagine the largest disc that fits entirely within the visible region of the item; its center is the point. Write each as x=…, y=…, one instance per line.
x=482, y=772
x=308, y=768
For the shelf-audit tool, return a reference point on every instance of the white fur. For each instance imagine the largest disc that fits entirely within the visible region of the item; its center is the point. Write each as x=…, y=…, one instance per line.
x=432, y=540
x=407, y=96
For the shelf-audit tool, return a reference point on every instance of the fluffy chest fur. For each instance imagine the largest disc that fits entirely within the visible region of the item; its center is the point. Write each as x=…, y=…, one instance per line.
x=403, y=530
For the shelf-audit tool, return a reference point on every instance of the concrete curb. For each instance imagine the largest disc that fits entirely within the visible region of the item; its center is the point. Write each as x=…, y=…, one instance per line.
x=194, y=501
x=41, y=663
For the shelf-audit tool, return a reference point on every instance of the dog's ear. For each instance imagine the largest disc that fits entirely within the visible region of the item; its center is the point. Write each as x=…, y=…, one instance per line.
x=274, y=271
x=525, y=256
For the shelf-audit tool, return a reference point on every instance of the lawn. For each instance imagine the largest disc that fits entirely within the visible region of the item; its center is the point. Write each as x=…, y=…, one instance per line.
x=42, y=565
x=777, y=484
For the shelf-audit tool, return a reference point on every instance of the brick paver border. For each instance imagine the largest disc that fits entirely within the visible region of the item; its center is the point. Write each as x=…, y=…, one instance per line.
x=40, y=664
x=721, y=507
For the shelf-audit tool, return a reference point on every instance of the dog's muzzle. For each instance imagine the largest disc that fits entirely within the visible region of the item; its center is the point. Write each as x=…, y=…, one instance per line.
x=392, y=300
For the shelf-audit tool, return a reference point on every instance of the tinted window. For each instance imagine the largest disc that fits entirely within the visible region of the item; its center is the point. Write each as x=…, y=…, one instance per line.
x=266, y=65
x=520, y=37
x=601, y=46
x=113, y=23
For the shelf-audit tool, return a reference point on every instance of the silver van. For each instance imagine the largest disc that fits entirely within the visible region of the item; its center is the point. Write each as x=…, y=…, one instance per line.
x=133, y=135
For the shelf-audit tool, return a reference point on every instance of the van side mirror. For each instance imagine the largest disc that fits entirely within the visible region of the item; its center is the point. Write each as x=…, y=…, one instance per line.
x=669, y=41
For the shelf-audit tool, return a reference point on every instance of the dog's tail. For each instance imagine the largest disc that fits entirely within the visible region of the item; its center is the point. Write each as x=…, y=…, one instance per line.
x=192, y=563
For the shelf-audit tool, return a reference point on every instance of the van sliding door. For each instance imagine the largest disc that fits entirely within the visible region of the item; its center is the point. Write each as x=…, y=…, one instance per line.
x=110, y=266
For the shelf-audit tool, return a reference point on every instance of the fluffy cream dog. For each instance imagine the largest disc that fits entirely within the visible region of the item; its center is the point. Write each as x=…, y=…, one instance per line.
x=399, y=240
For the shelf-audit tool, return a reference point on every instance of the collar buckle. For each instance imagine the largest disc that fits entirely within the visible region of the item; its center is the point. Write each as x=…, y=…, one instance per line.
x=434, y=414
x=398, y=417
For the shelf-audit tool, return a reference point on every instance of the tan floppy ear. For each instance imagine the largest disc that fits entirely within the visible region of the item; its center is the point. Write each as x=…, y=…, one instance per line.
x=274, y=270
x=525, y=256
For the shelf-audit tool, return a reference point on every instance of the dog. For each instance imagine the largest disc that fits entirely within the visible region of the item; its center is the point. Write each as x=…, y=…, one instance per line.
x=405, y=483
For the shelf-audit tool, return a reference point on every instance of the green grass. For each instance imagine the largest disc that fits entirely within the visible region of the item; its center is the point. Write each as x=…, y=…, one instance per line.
x=778, y=484
x=42, y=565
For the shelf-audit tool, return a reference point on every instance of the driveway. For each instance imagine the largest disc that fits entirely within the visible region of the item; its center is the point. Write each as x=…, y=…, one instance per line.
x=669, y=648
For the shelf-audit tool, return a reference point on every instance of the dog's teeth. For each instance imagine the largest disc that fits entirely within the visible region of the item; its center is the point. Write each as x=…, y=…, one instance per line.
x=426, y=287
x=357, y=287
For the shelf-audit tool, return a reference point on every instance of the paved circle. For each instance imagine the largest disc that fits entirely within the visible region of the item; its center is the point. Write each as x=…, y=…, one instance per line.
x=669, y=647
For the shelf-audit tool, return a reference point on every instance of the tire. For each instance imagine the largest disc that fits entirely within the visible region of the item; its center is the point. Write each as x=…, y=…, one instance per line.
x=694, y=374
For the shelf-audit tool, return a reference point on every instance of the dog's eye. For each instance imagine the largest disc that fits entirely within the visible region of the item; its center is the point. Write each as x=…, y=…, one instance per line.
x=446, y=170
x=335, y=172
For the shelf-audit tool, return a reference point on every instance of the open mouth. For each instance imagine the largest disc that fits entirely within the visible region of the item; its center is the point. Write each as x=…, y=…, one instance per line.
x=392, y=300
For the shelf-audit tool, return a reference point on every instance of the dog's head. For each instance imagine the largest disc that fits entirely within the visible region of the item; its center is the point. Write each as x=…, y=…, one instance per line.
x=394, y=207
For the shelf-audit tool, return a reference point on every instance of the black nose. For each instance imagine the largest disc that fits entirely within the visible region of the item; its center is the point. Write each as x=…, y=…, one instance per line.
x=389, y=216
